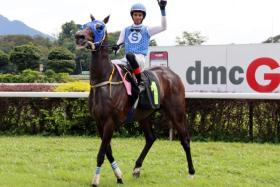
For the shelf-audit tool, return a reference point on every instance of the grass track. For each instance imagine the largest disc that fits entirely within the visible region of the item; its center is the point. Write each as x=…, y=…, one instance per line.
x=70, y=161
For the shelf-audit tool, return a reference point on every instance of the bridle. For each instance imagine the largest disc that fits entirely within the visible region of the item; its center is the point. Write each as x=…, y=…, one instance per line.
x=95, y=47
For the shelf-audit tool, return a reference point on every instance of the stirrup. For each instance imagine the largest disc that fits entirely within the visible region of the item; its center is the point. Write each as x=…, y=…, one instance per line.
x=141, y=86
x=134, y=106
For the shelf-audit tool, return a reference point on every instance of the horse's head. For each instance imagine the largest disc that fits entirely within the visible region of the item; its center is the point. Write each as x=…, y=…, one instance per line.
x=92, y=34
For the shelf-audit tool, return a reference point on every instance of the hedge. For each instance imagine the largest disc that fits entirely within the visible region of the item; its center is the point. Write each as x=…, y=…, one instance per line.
x=207, y=118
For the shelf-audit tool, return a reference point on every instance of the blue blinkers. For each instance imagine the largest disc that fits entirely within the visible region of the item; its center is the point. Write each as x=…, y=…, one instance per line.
x=98, y=28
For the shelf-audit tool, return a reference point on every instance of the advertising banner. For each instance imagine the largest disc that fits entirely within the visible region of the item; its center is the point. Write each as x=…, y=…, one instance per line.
x=248, y=68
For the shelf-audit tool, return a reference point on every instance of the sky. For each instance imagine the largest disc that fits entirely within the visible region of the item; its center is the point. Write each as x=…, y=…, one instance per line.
x=220, y=21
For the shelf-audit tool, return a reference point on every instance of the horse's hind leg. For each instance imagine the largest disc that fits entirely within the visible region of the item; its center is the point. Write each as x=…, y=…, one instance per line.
x=185, y=142
x=177, y=116
x=150, y=138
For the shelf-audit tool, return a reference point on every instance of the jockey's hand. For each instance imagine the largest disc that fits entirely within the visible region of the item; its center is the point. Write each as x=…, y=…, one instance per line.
x=115, y=48
x=162, y=4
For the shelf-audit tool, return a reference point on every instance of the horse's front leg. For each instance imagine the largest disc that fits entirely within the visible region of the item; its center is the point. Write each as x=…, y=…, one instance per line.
x=114, y=165
x=109, y=154
x=150, y=138
x=107, y=132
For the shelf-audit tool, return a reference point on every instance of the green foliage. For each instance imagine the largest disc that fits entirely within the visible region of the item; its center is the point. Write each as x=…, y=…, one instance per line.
x=191, y=38
x=112, y=39
x=66, y=37
x=50, y=76
x=30, y=76
x=8, y=78
x=208, y=119
x=14, y=40
x=61, y=60
x=61, y=53
x=64, y=77
x=61, y=66
x=45, y=116
x=27, y=76
x=26, y=57
x=4, y=59
x=9, y=42
x=68, y=31
x=5, y=65
x=83, y=58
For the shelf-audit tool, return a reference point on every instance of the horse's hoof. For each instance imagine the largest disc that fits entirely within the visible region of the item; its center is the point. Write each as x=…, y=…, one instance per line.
x=191, y=176
x=119, y=181
x=136, y=175
x=94, y=185
x=136, y=172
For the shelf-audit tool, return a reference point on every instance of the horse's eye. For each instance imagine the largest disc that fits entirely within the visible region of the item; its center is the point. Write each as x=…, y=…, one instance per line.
x=99, y=27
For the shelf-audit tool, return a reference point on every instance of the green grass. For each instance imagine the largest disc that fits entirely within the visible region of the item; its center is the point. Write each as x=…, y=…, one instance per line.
x=70, y=161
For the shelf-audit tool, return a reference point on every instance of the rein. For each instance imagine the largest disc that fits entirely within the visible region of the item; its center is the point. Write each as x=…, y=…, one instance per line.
x=107, y=82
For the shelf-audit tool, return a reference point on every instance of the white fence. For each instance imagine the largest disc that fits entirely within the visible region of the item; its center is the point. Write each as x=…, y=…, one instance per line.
x=269, y=96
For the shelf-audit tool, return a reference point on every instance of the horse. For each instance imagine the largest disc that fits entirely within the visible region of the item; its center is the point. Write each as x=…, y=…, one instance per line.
x=109, y=102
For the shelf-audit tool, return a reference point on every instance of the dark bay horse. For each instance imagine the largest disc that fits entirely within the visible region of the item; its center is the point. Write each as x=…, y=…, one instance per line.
x=109, y=103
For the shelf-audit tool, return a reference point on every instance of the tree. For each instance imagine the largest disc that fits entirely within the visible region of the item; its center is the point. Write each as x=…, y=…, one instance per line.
x=9, y=42
x=191, y=38
x=60, y=53
x=274, y=39
x=61, y=60
x=5, y=65
x=83, y=58
x=68, y=30
x=67, y=35
x=4, y=59
x=26, y=57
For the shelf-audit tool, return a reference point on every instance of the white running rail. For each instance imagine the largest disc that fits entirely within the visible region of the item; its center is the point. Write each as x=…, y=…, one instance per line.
x=202, y=95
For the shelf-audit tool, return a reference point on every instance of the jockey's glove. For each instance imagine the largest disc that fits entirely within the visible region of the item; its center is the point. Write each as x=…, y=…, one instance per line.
x=162, y=4
x=115, y=48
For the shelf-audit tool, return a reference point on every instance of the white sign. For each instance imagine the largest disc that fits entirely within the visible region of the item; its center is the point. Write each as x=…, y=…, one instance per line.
x=251, y=68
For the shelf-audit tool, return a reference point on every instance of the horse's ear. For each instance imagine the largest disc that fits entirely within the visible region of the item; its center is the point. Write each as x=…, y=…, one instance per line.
x=106, y=20
x=91, y=17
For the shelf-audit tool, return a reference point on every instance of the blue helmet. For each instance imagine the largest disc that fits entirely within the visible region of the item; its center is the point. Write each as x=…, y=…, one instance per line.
x=138, y=7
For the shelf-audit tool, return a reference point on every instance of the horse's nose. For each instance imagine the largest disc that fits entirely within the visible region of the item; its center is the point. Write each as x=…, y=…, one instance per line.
x=79, y=36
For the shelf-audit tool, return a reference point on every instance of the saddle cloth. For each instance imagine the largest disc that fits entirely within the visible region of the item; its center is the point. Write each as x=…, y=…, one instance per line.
x=149, y=98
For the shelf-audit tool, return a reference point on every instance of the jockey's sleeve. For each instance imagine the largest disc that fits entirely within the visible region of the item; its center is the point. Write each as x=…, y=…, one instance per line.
x=121, y=37
x=158, y=29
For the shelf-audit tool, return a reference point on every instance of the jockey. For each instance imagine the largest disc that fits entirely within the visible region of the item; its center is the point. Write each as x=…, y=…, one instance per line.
x=136, y=37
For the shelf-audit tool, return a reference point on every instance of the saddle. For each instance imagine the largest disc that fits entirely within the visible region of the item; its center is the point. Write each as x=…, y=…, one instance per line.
x=149, y=97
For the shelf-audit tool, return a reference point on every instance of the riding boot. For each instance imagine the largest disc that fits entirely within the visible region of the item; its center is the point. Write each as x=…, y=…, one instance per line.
x=139, y=82
x=139, y=79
